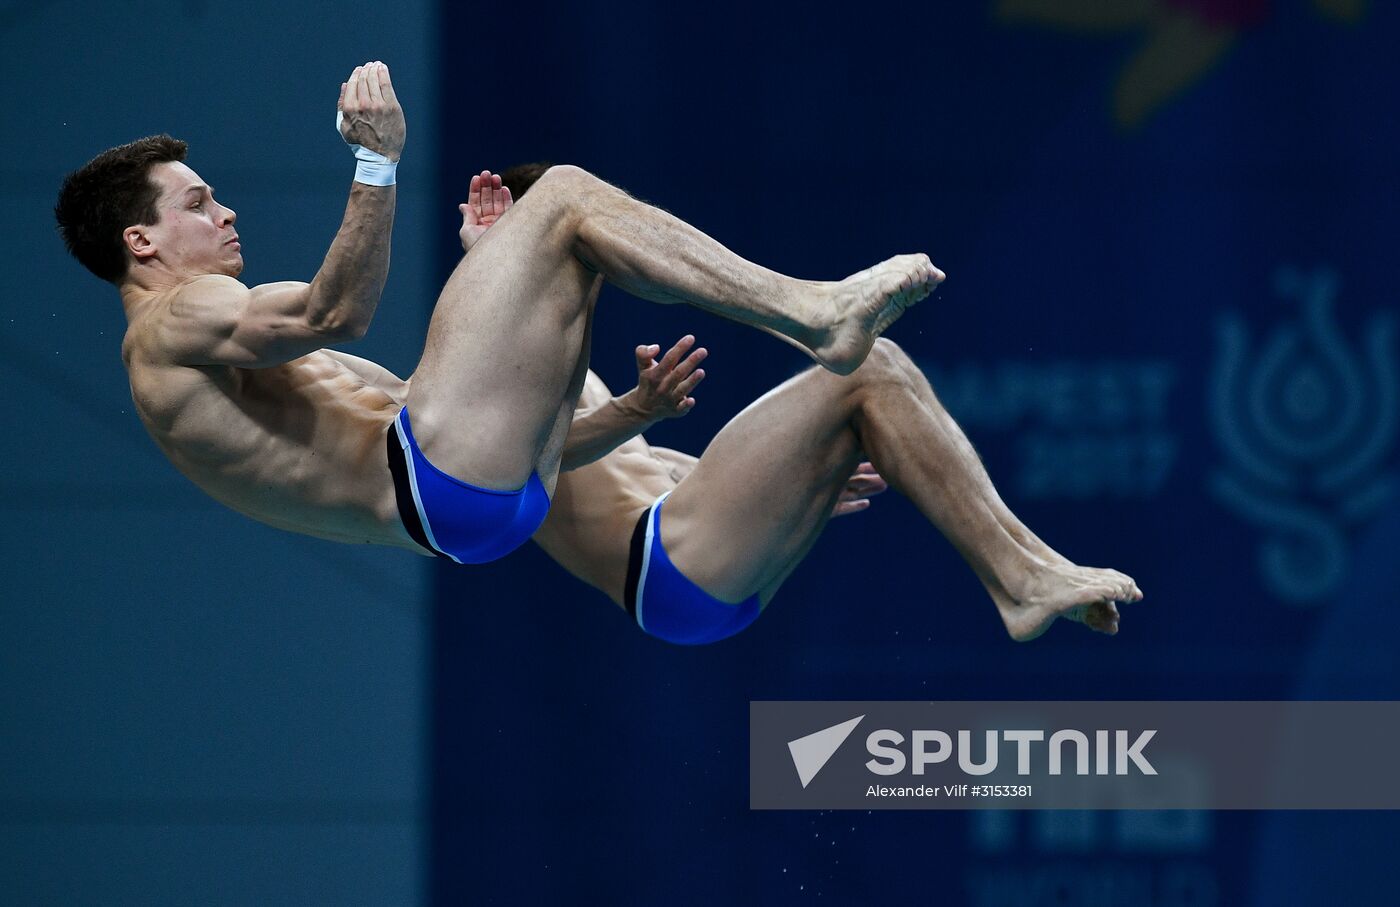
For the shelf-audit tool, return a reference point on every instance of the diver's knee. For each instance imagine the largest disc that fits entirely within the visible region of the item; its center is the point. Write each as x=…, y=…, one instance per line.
x=564, y=183
x=887, y=362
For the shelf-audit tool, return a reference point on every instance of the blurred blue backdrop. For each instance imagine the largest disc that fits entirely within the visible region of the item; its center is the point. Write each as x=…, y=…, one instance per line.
x=197, y=709
x=1167, y=326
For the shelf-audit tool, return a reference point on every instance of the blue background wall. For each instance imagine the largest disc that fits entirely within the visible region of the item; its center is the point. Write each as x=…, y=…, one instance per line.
x=1167, y=326
x=196, y=708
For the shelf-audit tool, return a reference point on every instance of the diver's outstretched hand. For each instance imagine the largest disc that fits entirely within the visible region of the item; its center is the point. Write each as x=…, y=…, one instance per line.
x=664, y=385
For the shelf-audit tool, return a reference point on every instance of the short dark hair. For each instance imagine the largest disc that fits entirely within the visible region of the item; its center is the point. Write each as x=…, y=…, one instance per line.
x=521, y=177
x=108, y=194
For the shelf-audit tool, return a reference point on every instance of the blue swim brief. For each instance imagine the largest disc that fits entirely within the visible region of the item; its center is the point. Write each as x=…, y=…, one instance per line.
x=669, y=606
x=455, y=519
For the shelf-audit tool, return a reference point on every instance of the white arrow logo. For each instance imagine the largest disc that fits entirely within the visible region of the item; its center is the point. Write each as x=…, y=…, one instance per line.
x=812, y=752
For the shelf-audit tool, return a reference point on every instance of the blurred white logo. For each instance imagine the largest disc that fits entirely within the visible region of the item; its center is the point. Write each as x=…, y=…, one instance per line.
x=1305, y=422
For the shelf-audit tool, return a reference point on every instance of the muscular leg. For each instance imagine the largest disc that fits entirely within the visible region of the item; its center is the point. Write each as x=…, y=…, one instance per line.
x=763, y=490
x=549, y=467
x=505, y=335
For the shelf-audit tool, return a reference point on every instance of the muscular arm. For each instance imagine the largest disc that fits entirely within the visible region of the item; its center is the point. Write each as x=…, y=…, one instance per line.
x=597, y=430
x=602, y=422
x=343, y=295
x=217, y=320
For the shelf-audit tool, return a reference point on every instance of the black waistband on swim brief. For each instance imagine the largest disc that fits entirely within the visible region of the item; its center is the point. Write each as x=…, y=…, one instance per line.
x=403, y=493
x=634, y=562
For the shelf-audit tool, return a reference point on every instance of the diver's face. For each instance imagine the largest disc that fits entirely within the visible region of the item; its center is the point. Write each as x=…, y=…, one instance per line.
x=194, y=234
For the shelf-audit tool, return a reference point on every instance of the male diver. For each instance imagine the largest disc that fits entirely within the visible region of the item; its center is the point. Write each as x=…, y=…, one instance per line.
x=237, y=387
x=694, y=548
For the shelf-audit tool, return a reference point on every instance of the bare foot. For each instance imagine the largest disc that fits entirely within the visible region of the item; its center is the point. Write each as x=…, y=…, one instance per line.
x=867, y=303
x=1082, y=594
x=1101, y=616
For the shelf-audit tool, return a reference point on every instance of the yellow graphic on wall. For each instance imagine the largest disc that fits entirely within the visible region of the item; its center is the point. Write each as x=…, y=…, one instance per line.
x=1183, y=40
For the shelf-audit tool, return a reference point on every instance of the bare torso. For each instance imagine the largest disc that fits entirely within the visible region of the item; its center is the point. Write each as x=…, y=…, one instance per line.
x=300, y=446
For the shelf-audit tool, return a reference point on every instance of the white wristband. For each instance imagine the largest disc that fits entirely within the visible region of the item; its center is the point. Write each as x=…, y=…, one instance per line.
x=371, y=168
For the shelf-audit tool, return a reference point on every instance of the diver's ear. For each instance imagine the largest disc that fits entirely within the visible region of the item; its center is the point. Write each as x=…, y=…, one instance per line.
x=138, y=242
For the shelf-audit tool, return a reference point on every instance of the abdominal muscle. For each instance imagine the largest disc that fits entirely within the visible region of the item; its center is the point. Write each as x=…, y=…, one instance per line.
x=299, y=446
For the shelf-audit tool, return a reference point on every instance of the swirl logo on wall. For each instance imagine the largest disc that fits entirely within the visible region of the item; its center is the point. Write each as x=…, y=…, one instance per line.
x=1306, y=422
